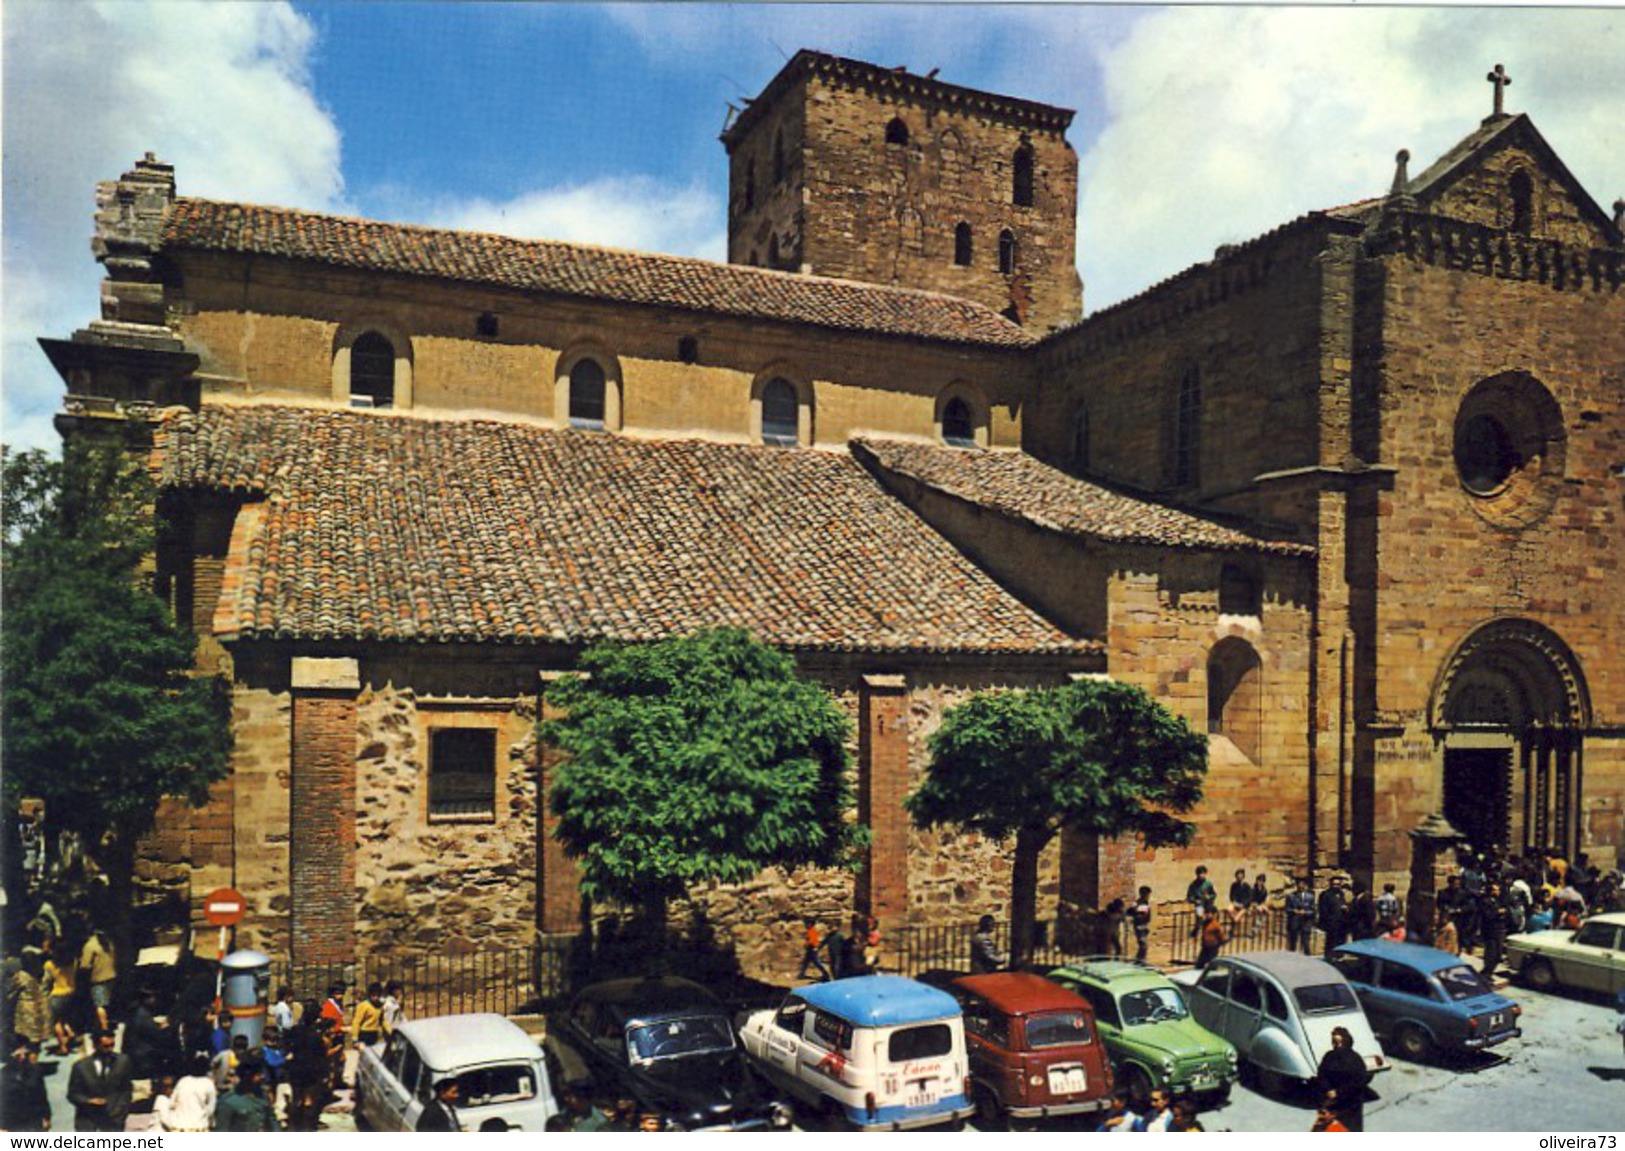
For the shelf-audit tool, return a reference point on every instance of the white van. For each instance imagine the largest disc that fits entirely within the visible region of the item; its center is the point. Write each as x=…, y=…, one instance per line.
x=501, y=1071
x=883, y=1052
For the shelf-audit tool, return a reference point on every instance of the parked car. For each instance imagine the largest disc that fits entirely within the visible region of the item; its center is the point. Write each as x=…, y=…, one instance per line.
x=1420, y=1000
x=668, y=1045
x=1590, y=959
x=501, y=1070
x=1033, y=1049
x=1279, y=1008
x=1148, y=1030
x=882, y=1052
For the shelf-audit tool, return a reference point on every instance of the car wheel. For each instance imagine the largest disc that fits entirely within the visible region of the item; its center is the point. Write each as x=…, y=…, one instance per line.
x=1413, y=1043
x=1137, y=1082
x=989, y=1115
x=1540, y=974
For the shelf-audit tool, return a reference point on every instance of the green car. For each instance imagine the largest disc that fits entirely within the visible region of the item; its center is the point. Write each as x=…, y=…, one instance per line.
x=1147, y=1028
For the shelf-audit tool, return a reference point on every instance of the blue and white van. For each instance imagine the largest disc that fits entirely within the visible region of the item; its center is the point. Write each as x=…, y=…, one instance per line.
x=885, y=1053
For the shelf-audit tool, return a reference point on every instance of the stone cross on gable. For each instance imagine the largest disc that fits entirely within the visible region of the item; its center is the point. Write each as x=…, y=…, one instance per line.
x=1500, y=79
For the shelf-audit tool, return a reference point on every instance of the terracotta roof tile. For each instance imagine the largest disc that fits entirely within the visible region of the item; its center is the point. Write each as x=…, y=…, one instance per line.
x=385, y=526
x=559, y=268
x=1018, y=485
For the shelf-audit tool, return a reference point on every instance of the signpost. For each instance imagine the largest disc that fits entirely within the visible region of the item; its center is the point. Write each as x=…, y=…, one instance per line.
x=224, y=909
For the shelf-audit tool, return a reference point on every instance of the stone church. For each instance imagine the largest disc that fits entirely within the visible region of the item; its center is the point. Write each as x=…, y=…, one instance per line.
x=1349, y=496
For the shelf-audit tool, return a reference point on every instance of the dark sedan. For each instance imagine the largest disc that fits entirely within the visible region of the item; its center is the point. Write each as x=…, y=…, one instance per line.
x=668, y=1045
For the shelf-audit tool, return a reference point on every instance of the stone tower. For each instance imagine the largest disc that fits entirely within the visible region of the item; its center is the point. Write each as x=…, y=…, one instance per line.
x=840, y=168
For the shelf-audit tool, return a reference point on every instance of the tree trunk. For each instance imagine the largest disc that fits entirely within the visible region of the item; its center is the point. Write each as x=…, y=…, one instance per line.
x=116, y=857
x=1024, y=893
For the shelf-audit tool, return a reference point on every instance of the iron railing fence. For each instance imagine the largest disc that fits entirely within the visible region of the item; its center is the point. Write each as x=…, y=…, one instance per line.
x=919, y=950
x=1260, y=931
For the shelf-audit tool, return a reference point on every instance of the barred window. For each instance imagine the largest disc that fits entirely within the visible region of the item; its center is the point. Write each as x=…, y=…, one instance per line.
x=462, y=772
x=587, y=394
x=1187, y=440
x=372, y=372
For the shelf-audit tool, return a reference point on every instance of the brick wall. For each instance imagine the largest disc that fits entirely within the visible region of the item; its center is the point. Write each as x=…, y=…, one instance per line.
x=322, y=815
x=883, y=783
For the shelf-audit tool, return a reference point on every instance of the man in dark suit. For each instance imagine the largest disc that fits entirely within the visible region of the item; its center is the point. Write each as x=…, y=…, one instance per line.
x=99, y=1087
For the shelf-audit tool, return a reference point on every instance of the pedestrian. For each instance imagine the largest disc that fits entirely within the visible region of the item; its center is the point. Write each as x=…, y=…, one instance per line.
x=1241, y=902
x=811, y=941
x=854, y=959
x=225, y=1066
x=246, y=1108
x=367, y=1025
x=1185, y=1118
x=1519, y=900
x=283, y=1012
x=1213, y=938
x=99, y=1087
x=871, y=944
x=1116, y=912
x=1388, y=912
x=1444, y=933
x=1118, y=1118
x=1140, y=919
x=1300, y=916
x=29, y=1011
x=1261, y=902
x=1362, y=913
x=149, y=1043
x=24, y=1105
x=33, y=845
x=985, y=956
x=1199, y=893
x=1495, y=924
x=1343, y=1077
x=193, y=1098
x=220, y=1037
x=394, y=1012
x=440, y=1113
x=306, y=1070
x=96, y=960
x=1159, y=1115
x=276, y=1073
x=835, y=948
x=62, y=977
x=1326, y=1118
x=1331, y=915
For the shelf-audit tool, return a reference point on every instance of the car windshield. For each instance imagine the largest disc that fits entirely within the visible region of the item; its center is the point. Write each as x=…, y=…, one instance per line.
x=1463, y=983
x=1154, y=1005
x=504, y=1083
x=1323, y=998
x=677, y=1037
x=1057, y=1029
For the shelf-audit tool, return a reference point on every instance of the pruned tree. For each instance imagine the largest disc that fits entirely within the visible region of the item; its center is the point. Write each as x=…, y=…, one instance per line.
x=103, y=714
x=696, y=759
x=1093, y=756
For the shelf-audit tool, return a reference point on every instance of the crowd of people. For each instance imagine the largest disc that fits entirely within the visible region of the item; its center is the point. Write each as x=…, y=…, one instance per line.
x=854, y=952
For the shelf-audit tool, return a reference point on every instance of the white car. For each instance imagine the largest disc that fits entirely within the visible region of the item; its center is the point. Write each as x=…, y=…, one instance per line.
x=1279, y=1009
x=500, y=1069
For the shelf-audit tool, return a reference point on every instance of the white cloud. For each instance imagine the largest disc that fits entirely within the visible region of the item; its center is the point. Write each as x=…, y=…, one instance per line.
x=1224, y=122
x=635, y=212
x=220, y=90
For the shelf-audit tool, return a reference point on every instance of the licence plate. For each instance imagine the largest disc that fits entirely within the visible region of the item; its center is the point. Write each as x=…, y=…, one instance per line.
x=1067, y=1080
x=921, y=1098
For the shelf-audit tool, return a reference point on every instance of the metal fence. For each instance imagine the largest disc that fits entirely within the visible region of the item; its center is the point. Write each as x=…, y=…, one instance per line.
x=916, y=951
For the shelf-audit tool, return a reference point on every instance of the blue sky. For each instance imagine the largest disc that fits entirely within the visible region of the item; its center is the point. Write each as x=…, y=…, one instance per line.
x=1196, y=126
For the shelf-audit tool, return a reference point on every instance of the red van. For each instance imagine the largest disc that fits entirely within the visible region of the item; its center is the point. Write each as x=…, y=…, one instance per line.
x=1033, y=1049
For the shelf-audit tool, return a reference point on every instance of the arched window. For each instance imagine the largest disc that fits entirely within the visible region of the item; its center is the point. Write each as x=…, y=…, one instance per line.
x=587, y=394
x=1187, y=441
x=962, y=246
x=688, y=349
x=1021, y=190
x=778, y=156
x=750, y=186
x=897, y=131
x=1080, y=438
x=781, y=413
x=958, y=425
x=1522, y=190
x=372, y=372
x=1007, y=252
x=1235, y=701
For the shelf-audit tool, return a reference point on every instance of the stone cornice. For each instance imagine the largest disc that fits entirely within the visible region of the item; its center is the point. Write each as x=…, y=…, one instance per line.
x=1496, y=252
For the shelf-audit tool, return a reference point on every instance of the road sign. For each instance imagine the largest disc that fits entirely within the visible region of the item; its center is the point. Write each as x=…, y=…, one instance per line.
x=225, y=907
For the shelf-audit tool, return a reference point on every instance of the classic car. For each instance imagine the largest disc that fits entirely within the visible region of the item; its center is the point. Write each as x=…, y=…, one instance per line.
x=669, y=1046
x=1590, y=959
x=1033, y=1049
x=1420, y=1000
x=1279, y=1009
x=880, y=1051
x=1147, y=1027
x=502, y=1073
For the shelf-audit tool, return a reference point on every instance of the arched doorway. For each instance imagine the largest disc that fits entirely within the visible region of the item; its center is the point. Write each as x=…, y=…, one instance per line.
x=1510, y=711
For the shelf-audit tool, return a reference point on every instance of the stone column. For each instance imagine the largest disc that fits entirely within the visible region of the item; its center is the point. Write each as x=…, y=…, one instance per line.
x=558, y=887
x=883, y=778
x=322, y=805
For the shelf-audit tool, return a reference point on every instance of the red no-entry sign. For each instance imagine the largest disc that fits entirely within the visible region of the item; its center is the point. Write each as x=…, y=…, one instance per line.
x=224, y=908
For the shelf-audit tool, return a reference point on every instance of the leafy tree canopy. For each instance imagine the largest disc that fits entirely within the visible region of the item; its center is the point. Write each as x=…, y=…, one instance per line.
x=1091, y=755
x=695, y=759
x=102, y=713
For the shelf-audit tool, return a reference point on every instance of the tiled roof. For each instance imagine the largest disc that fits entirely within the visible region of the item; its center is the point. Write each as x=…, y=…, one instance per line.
x=393, y=527
x=1016, y=484
x=581, y=270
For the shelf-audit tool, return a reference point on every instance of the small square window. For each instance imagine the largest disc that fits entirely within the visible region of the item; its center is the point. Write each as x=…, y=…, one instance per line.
x=462, y=773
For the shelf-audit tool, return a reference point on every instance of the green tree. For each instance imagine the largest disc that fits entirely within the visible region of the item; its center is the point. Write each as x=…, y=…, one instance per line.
x=695, y=759
x=103, y=714
x=1092, y=756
